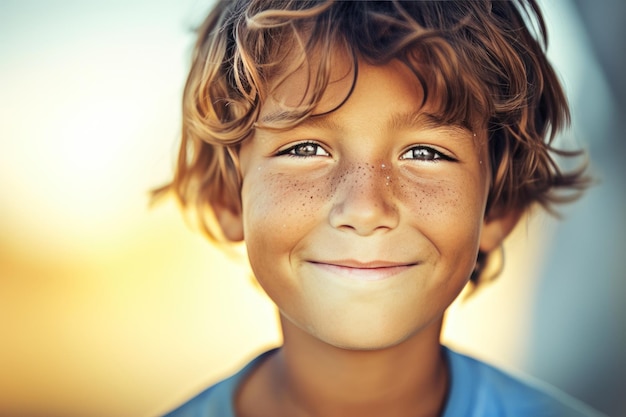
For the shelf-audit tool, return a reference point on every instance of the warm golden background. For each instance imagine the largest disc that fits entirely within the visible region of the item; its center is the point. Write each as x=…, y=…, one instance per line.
x=108, y=308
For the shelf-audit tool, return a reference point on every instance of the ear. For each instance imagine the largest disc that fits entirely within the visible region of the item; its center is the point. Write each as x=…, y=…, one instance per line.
x=230, y=221
x=496, y=229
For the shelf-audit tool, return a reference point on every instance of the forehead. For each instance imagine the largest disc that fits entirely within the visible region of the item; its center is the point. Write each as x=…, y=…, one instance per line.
x=312, y=84
x=348, y=85
x=383, y=98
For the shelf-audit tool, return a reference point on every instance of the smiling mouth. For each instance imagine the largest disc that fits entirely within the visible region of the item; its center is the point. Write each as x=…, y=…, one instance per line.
x=364, y=271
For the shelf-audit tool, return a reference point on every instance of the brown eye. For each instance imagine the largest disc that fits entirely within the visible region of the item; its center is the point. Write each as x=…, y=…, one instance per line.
x=304, y=150
x=424, y=153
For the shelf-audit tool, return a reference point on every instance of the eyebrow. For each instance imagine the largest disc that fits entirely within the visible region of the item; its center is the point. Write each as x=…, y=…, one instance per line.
x=279, y=116
x=422, y=120
x=405, y=120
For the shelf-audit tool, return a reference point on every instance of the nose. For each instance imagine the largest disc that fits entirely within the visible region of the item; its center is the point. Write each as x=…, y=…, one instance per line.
x=364, y=201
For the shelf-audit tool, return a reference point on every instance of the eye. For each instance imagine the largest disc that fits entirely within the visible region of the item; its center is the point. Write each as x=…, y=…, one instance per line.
x=425, y=153
x=304, y=150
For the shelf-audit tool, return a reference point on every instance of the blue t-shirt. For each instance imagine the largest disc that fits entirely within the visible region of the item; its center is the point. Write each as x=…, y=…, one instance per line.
x=476, y=390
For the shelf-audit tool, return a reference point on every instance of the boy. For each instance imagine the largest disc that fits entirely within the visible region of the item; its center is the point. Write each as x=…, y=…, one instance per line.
x=372, y=155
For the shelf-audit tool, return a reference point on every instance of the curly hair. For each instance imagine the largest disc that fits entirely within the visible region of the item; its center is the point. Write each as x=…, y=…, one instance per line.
x=484, y=61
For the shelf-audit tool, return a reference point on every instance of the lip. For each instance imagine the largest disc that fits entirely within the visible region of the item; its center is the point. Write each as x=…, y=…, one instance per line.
x=364, y=271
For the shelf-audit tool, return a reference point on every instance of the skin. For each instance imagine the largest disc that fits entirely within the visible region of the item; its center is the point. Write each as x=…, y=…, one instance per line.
x=362, y=225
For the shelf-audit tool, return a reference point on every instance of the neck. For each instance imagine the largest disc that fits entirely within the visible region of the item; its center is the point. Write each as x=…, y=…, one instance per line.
x=313, y=378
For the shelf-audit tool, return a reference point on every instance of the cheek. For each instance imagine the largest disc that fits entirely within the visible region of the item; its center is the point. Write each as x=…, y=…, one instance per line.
x=449, y=212
x=428, y=200
x=275, y=203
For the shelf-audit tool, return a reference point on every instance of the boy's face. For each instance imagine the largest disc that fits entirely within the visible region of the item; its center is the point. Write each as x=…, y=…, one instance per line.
x=364, y=224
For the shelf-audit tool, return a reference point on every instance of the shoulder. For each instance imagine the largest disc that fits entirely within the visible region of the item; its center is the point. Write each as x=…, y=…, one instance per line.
x=479, y=389
x=217, y=400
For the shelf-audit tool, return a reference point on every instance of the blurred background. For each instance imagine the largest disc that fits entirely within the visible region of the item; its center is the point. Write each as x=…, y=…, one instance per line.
x=111, y=308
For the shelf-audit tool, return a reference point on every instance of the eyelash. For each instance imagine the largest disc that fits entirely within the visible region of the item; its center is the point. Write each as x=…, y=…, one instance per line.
x=291, y=151
x=436, y=155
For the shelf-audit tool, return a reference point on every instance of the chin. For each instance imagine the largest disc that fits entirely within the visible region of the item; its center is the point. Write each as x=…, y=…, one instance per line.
x=357, y=330
x=366, y=339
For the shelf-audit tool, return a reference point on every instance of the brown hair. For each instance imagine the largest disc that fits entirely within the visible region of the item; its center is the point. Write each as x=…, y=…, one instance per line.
x=480, y=60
